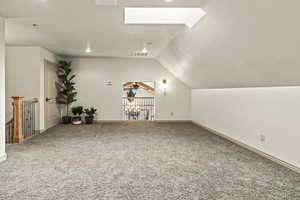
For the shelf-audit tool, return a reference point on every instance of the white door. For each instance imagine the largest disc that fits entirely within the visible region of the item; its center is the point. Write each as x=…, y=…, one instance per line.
x=52, y=114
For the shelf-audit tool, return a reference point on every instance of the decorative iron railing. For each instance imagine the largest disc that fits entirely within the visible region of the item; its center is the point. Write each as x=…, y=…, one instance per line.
x=138, y=108
x=28, y=119
x=9, y=132
x=22, y=125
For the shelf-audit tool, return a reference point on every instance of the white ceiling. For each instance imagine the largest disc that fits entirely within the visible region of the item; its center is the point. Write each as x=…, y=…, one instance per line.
x=65, y=26
x=239, y=43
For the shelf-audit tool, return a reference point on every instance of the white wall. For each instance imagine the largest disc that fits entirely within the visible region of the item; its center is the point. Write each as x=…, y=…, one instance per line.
x=25, y=77
x=238, y=43
x=22, y=75
x=2, y=89
x=93, y=72
x=244, y=114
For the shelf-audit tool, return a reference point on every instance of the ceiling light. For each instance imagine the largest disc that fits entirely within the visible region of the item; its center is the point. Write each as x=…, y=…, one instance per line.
x=186, y=16
x=88, y=48
x=145, y=50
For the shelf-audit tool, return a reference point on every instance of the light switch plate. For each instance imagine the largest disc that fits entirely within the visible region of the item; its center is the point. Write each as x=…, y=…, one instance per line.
x=106, y=2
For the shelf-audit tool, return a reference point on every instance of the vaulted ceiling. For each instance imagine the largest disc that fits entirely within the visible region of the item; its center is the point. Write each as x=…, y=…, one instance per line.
x=65, y=26
x=239, y=43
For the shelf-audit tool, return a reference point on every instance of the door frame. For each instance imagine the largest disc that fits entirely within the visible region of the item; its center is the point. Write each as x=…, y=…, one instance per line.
x=121, y=98
x=45, y=95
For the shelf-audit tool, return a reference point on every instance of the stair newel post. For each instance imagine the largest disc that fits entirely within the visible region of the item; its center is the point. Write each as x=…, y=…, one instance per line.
x=18, y=119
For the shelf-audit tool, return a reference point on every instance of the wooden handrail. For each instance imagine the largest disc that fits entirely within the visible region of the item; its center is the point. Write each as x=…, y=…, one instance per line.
x=33, y=100
x=141, y=85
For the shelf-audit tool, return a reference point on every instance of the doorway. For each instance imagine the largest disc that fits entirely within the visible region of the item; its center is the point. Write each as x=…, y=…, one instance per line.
x=52, y=113
x=138, y=101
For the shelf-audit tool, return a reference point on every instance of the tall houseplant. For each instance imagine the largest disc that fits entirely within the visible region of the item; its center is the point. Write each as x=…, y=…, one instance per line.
x=65, y=88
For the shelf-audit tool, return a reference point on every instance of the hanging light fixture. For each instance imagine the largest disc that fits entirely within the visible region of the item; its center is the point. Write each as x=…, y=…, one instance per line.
x=131, y=95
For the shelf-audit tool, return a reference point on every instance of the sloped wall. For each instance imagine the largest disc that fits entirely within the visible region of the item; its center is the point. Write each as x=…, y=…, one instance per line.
x=238, y=44
x=241, y=44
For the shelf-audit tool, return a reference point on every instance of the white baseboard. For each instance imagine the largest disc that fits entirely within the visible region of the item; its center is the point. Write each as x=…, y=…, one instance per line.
x=173, y=121
x=109, y=121
x=140, y=121
x=3, y=157
x=261, y=153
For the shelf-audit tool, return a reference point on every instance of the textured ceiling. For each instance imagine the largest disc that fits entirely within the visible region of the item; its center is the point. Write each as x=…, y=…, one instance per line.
x=239, y=43
x=65, y=26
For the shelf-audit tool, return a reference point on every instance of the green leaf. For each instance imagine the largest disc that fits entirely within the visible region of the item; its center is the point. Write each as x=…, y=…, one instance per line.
x=65, y=86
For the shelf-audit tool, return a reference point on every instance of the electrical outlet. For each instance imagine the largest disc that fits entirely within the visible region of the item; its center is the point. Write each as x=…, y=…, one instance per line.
x=262, y=137
x=172, y=114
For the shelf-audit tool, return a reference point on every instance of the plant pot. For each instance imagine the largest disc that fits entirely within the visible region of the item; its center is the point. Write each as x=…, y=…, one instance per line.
x=89, y=119
x=66, y=119
x=76, y=120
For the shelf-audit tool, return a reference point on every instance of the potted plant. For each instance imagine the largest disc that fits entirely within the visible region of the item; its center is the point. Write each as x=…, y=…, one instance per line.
x=65, y=88
x=77, y=112
x=90, y=113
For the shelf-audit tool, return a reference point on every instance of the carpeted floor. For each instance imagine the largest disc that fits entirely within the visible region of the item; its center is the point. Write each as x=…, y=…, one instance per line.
x=139, y=161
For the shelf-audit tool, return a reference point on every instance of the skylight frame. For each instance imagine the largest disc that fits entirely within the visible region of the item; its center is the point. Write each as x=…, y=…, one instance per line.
x=163, y=15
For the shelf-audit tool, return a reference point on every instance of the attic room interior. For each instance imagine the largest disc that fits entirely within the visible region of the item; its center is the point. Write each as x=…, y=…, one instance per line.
x=140, y=100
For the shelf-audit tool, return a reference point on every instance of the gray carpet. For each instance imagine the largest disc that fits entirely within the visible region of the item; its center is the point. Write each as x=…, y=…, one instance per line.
x=140, y=161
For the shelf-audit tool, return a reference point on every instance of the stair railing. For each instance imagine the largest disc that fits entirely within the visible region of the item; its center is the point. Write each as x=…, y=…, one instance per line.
x=22, y=125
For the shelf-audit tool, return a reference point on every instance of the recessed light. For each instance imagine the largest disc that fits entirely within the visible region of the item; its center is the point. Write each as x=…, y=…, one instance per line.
x=88, y=48
x=144, y=50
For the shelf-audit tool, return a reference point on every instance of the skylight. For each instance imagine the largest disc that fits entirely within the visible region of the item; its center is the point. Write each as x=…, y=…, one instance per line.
x=186, y=16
